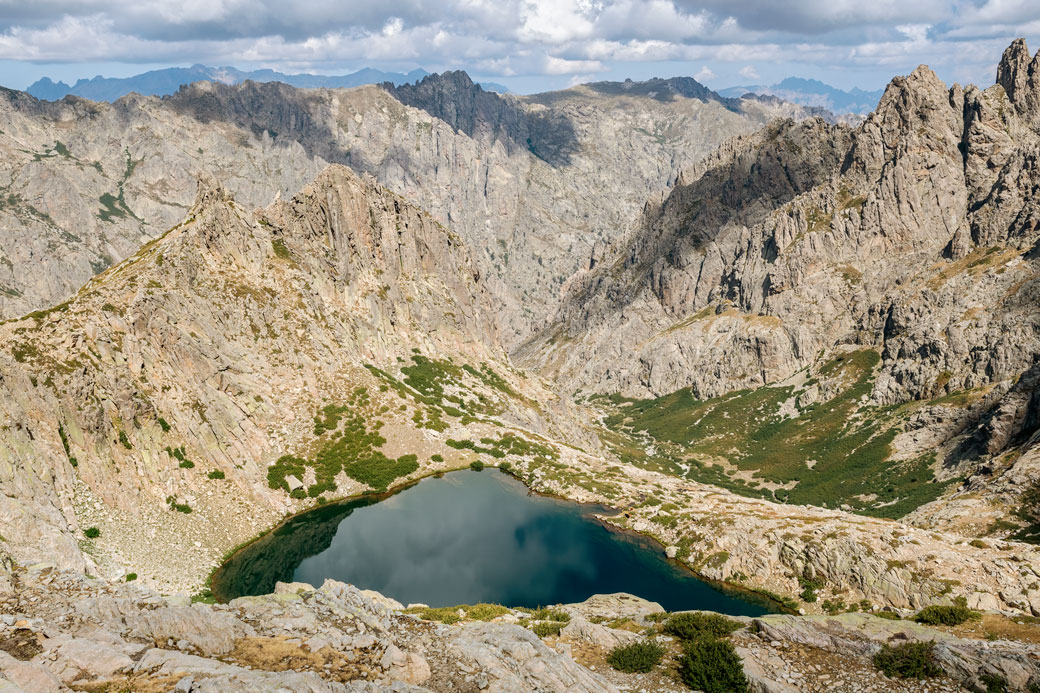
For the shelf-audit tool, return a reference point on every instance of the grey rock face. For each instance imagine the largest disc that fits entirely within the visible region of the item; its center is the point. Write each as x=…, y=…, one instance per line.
x=529, y=183
x=914, y=234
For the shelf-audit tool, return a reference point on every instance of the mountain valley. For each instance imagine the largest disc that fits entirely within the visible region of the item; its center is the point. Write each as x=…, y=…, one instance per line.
x=801, y=355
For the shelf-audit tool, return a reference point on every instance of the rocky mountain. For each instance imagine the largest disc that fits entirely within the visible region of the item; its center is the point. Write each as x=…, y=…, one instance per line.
x=84, y=184
x=807, y=367
x=154, y=403
x=169, y=80
x=901, y=254
x=812, y=92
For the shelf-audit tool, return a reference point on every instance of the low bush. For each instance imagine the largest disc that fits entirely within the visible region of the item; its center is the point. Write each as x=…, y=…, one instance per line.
x=130, y=577
x=187, y=464
x=810, y=585
x=476, y=465
x=216, y=474
x=696, y=626
x=546, y=628
x=164, y=425
x=995, y=683
x=636, y=657
x=944, y=615
x=485, y=612
x=124, y=441
x=92, y=532
x=547, y=614
x=712, y=666
x=910, y=660
x=444, y=614
x=437, y=458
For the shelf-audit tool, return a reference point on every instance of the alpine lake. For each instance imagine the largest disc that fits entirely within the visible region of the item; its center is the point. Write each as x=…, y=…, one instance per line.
x=468, y=537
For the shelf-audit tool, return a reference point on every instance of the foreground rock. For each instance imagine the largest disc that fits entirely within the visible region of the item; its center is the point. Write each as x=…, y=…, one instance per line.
x=62, y=630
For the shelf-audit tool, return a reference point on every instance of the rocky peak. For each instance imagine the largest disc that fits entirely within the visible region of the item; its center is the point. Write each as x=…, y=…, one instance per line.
x=1020, y=76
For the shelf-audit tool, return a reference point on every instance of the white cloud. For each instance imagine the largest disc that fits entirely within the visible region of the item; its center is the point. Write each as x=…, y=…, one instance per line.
x=560, y=66
x=704, y=74
x=524, y=37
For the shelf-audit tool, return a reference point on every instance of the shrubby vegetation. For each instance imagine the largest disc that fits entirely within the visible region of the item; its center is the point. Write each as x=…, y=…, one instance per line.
x=92, y=532
x=636, y=657
x=943, y=615
x=350, y=447
x=712, y=666
x=909, y=660
x=450, y=614
x=546, y=628
x=850, y=442
x=694, y=626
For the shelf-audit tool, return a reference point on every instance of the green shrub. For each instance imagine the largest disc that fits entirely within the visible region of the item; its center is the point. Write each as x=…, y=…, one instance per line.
x=92, y=532
x=809, y=587
x=298, y=494
x=476, y=465
x=485, y=612
x=187, y=464
x=280, y=249
x=636, y=657
x=546, y=628
x=994, y=683
x=130, y=577
x=124, y=441
x=505, y=466
x=944, y=615
x=712, y=666
x=696, y=626
x=437, y=458
x=834, y=606
x=890, y=615
x=909, y=660
x=163, y=425
x=216, y=474
x=444, y=614
x=547, y=614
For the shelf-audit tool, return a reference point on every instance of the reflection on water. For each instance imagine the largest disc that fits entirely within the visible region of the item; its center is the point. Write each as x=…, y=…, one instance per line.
x=465, y=538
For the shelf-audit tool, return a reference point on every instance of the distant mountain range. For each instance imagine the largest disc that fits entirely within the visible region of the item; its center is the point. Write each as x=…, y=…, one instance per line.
x=169, y=80
x=811, y=92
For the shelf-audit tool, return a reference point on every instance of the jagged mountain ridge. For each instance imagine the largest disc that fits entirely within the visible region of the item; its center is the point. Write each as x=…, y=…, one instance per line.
x=169, y=80
x=916, y=238
x=83, y=184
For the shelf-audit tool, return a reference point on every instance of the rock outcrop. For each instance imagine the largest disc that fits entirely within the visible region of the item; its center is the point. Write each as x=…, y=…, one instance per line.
x=915, y=235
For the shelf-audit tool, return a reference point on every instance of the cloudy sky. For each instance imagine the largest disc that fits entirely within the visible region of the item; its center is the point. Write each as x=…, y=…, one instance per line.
x=528, y=45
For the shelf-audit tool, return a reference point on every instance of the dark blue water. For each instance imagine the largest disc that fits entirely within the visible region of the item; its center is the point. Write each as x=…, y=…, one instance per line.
x=464, y=538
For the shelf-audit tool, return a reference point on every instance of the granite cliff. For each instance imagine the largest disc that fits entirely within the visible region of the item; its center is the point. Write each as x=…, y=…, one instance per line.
x=910, y=241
